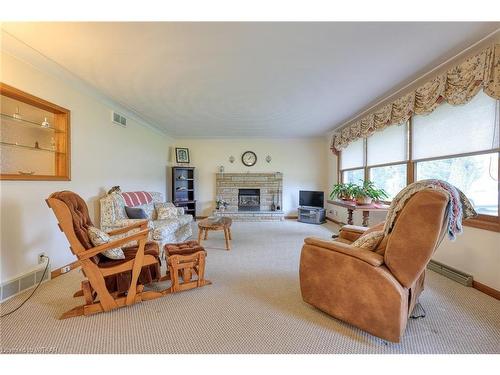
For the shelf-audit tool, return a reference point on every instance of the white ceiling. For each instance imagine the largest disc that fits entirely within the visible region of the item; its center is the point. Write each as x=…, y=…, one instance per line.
x=247, y=79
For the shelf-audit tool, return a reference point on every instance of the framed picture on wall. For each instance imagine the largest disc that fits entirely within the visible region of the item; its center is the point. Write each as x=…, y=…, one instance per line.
x=182, y=155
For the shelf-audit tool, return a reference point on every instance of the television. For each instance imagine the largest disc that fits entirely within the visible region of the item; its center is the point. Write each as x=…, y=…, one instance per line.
x=311, y=198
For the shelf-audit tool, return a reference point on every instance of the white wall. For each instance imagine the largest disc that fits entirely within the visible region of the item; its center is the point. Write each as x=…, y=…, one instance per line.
x=102, y=155
x=301, y=161
x=476, y=251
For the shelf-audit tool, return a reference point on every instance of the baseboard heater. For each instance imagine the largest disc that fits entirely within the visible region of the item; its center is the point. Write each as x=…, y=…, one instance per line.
x=451, y=273
x=20, y=284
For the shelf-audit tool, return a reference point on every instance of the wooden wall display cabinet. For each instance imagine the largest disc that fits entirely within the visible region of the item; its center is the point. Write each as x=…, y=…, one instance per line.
x=34, y=137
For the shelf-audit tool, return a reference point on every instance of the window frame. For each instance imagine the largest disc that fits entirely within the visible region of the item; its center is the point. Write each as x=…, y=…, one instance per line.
x=482, y=221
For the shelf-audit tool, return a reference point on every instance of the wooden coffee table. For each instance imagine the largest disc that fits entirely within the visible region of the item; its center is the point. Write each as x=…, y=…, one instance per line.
x=218, y=223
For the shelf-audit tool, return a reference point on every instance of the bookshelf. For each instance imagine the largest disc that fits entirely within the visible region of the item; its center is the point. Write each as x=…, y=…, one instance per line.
x=183, y=189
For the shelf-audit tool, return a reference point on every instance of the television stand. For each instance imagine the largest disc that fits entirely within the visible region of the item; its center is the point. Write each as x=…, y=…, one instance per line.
x=311, y=215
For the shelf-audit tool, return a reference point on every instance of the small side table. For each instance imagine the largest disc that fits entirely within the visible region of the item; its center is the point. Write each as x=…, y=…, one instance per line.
x=366, y=208
x=214, y=224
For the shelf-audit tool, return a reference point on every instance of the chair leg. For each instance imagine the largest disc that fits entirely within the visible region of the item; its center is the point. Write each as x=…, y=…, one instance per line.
x=186, y=275
x=136, y=270
x=226, y=237
x=174, y=273
x=87, y=292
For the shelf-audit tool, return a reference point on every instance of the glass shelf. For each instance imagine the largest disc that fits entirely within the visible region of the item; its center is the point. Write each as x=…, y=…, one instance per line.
x=43, y=153
x=8, y=119
x=29, y=147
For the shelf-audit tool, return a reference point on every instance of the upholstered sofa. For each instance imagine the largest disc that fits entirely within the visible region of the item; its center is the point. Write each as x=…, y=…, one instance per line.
x=172, y=230
x=375, y=290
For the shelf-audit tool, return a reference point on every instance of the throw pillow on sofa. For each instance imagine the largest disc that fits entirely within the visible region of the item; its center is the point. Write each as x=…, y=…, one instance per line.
x=148, y=208
x=180, y=210
x=136, y=213
x=369, y=241
x=98, y=237
x=166, y=212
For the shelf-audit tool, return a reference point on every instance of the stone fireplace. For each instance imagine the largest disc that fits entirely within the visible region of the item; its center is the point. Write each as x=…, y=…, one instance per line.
x=251, y=196
x=248, y=199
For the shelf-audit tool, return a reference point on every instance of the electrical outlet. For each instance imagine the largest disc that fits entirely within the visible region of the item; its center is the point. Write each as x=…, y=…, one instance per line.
x=65, y=269
x=42, y=257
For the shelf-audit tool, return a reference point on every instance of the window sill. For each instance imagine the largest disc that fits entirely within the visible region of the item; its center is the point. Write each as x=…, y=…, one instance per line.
x=485, y=222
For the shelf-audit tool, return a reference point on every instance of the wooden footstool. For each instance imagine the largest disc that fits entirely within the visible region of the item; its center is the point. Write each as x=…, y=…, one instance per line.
x=182, y=259
x=218, y=223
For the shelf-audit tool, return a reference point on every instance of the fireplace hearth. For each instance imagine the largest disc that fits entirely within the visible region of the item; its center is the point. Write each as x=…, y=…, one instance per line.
x=248, y=199
x=250, y=196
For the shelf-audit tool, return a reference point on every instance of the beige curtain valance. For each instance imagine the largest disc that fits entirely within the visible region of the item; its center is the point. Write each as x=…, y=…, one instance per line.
x=456, y=86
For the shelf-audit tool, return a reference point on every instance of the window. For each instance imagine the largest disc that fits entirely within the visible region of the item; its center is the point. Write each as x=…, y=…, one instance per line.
x=388, y=146
x=458, y=144
x=391, y=178
x=354, y=176
x=352, y=156
x=475, y=175
x=453, y=130
x=385, y=159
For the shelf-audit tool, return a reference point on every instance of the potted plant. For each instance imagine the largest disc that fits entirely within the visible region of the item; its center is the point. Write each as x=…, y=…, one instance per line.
x=342, y=191
x=367, y=192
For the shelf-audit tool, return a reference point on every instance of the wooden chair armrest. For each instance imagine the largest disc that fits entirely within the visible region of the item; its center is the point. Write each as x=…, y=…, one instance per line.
x=140, y=224
x=127, y=266
x=143, y=234
x=367, y=256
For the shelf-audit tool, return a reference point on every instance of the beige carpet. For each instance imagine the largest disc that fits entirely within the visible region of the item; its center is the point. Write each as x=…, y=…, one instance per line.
x=253, y=306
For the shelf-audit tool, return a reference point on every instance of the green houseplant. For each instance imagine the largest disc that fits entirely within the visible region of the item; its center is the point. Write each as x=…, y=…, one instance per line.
x=342, y=191
x=367, y=192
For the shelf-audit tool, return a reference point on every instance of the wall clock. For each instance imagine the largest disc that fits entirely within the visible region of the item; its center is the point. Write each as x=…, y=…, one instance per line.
x=249, y=158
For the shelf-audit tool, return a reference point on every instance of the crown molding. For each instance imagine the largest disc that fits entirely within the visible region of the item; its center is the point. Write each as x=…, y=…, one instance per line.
x=22, y=51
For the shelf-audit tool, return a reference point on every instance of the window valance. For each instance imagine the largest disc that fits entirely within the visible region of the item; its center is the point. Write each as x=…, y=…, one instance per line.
x=456, y=86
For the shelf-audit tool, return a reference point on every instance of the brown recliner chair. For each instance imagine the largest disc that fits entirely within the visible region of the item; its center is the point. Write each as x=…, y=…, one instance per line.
x=375, y=290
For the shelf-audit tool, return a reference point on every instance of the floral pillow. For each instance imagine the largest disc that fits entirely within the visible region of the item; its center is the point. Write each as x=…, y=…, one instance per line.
x=166, y=212
x=369, y=241
x=98, y=237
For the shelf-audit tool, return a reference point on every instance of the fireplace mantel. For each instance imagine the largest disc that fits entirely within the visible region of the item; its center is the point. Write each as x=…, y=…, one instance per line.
x=269, y=184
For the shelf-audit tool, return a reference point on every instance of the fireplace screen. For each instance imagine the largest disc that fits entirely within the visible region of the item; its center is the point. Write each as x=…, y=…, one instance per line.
x=249, y=199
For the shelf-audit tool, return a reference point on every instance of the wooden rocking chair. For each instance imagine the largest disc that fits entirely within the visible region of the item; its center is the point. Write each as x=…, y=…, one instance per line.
x=110, y=283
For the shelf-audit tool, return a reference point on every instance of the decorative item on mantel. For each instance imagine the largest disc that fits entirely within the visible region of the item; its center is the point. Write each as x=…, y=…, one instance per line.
x=221, y=169
x=221, y=204
x=278, y=206
x=273, y=205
